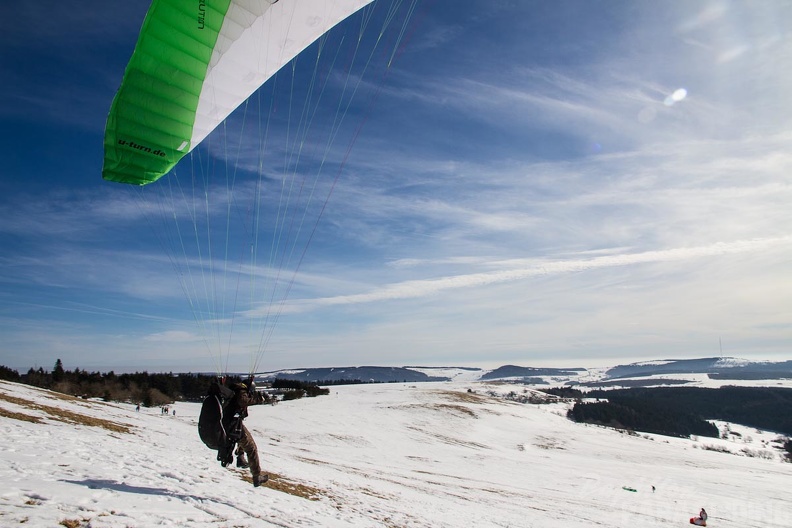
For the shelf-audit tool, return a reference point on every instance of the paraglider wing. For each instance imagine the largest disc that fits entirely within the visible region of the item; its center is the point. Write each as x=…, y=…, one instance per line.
x=194, y=63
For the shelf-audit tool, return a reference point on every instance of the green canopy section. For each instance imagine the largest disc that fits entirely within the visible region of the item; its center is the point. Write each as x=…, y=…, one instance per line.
x=151, y=120
x=194, y=63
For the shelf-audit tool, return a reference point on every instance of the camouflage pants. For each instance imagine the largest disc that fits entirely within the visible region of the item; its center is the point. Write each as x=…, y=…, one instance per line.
x=248, y=445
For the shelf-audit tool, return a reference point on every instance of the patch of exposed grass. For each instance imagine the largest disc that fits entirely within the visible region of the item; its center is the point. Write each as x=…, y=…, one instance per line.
x=456, y=409
x=284, y=485
x=373, y=493
x=546, y=442
x=80, y=419
x=54, y=395
x=313, y=461
x=280, y=483
x=449, y=439
x=19, y=416
x=465, y=397
x=58, y=414
x=71, y=523
x=13, y=399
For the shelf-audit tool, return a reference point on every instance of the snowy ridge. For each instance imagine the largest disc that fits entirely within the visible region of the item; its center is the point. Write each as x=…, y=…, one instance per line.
x=724, y=371
x=727, y=362
x=452, y=373
x=273, y=373
x=653, y=363
x=383, y=455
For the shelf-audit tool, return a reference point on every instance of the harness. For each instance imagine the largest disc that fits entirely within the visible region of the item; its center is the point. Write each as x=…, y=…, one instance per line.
x=217, y=429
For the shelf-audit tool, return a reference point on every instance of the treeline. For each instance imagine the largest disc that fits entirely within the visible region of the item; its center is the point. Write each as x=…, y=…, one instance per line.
x=683, y=411
x=297, y=389
x=564, y=392
x=642, y=416
x=768, y=408
x=9, y=374
x=355, y=381
x=151, y=390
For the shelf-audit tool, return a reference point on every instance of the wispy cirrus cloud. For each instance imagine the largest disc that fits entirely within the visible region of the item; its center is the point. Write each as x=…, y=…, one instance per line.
x=514, y=272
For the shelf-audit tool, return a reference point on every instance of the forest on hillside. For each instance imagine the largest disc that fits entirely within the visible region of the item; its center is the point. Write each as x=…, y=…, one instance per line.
x=639, y=415
x=149, y=389
x=684, y=411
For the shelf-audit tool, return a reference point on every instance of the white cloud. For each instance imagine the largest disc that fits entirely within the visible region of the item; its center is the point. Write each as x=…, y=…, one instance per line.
x=173, y=336
x=428, y=287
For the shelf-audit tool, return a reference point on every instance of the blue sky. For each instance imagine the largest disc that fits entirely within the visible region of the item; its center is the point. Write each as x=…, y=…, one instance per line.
x=564, y=183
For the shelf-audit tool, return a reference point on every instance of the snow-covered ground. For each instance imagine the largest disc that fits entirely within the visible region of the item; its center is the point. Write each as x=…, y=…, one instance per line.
x=386, y=455
x=452, y=373
x=678, y=380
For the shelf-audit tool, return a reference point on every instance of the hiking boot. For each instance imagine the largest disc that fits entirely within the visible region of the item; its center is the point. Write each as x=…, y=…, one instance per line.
x=242, y=462
x=258, y=480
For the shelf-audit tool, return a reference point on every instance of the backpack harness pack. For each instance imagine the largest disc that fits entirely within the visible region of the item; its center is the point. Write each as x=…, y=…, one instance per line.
x=218, y=431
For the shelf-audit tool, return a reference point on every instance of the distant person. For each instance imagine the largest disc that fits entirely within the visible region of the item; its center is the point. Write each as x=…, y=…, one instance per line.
x=137, y=409
x=701, y=520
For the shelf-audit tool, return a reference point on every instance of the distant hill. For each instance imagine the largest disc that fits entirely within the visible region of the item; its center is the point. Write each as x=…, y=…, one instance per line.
x=670, y=366
x=362, y=374
x=716, y=367
x=751, y=371
x=719, y=368
x=513, y=371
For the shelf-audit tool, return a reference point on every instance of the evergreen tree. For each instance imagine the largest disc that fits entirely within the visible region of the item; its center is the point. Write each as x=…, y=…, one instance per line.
x=58, y=372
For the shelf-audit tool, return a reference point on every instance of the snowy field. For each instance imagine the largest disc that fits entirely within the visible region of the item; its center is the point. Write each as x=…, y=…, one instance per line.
x=675, y=380
x=387, y=455
x=587, y=379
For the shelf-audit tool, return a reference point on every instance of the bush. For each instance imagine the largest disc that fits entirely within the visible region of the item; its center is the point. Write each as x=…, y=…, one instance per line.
x=716, y=448
x=315, y=390
x=155, y=398
x=67, y=387
x=754, y=453
x=294, y=394
x=301, y=387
